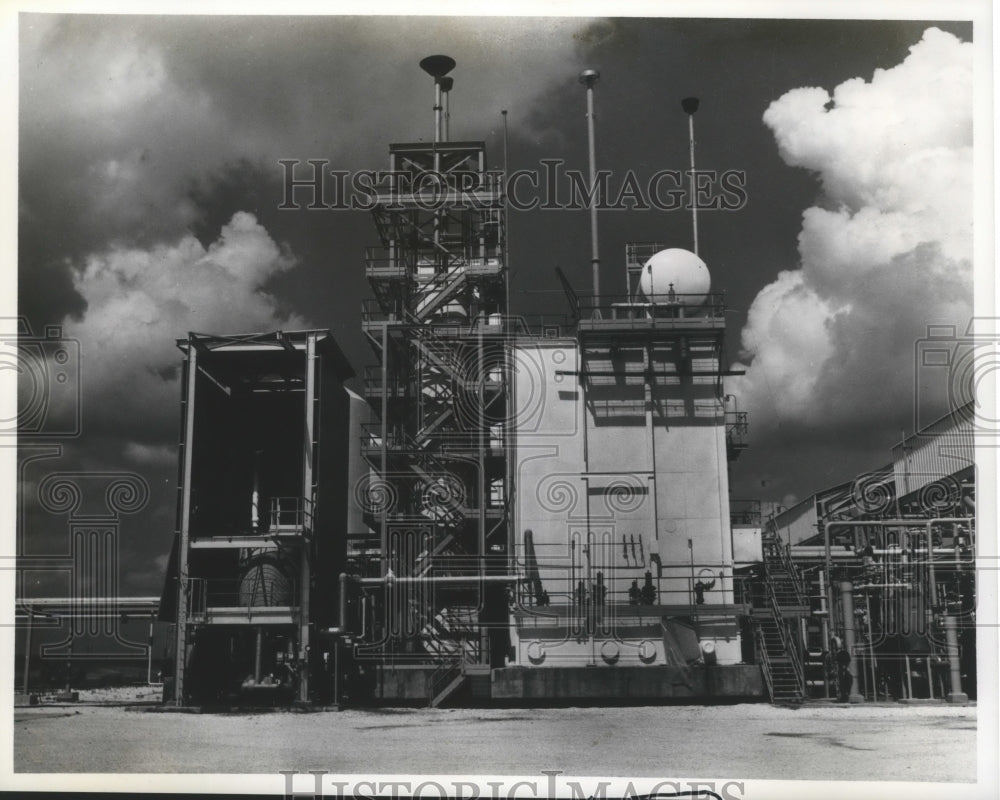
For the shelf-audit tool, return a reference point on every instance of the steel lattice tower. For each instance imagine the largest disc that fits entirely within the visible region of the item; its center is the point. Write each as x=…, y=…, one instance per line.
x=438, y=492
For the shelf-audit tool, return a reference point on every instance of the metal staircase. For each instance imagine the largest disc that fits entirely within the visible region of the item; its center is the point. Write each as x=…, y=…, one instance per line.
x=435, y=293
x=453, y=637
x=782, y=579
x=439, y=281
x=783, y=600
x=780, y=663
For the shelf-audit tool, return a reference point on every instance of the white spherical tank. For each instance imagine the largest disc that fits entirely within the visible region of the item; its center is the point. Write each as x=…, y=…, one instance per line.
x=675, y=275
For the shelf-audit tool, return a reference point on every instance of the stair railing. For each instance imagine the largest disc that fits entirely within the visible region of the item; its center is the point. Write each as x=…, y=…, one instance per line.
x=765, y=661
x=788, y=645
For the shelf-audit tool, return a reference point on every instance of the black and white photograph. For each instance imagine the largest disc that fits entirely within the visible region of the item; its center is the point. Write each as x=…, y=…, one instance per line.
x=500, y=401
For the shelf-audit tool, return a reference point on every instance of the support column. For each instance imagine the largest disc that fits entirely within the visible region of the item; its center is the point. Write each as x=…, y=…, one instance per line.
x=183, y=587
x=956, y=695
x=27, y=649
x=847, y=603
x=308, y=493
x=825, y=631
x=258, y=652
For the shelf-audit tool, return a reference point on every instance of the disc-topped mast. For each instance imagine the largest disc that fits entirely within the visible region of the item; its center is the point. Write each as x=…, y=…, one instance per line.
x=438, y=67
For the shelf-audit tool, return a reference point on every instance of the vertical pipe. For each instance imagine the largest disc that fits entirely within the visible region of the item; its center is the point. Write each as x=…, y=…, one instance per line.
x=510, y=429
x=930, y=677
x=502, y=238
x=384, y=448
x=909, y=679
x=648, y=396
x=690, y=106
x=437, y=110
x=588, y=78
x=336, y=673
x=828, y=557
x=149, y=662
x=27, y=650
x=342, y=609
x=446, y=84
x=931, y=577
x=956, y=695
x=440, y=259
x=590, y=609
x=258, y=654
x=871, y=647
x=483, y=444
x=824, y=629
x=255, y=499
x=847, y=603
x=691, y=597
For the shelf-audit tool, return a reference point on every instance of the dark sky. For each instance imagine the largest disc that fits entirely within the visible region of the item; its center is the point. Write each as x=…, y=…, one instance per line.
x=149, y=187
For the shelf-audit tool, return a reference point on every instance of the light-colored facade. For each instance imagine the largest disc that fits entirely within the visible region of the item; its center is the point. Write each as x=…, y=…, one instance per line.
x=621, y=526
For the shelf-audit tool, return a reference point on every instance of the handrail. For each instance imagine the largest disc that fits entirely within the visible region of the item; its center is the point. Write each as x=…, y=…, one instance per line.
x=298, y=509
x=737, y=427
x=196, y=596
x=765, y=661
x=442, y=677
x=676, y=305
x=206, y=594
x=788, y=645
x=771, y=542
x=456, y=665
x=744, y=512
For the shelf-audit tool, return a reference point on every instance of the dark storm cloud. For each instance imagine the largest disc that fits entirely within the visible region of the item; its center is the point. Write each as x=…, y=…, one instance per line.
x=122, y=119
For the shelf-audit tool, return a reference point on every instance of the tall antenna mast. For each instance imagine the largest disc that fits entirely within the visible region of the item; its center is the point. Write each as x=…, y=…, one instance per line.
x=437, y=67
x=588, y=78
x=506, y=206
x=690, y=105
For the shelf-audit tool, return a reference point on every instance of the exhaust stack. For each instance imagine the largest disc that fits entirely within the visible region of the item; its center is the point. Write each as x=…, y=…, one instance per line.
x=437, y=67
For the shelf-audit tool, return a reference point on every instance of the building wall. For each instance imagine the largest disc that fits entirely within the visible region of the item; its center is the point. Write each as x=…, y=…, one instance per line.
x=798, y=523
x=610, y=482
x=747, y=547
x=938, y=452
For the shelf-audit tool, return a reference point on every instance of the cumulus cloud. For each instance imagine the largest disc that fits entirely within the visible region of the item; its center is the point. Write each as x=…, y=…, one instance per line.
x=886, y=251
x=140, y=300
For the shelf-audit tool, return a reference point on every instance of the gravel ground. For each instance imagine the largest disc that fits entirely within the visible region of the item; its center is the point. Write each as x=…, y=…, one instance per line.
x=924, y=743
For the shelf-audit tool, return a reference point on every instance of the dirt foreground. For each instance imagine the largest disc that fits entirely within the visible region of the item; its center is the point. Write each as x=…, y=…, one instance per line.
x=830, y=743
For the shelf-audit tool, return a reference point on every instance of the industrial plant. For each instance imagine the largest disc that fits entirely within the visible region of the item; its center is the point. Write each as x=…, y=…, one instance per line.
x=537, y=512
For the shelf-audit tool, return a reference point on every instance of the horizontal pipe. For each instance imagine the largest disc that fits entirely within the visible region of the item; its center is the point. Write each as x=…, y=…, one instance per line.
x=83, y=600
x=882, y=586
x=816, y=550
x=441, y=579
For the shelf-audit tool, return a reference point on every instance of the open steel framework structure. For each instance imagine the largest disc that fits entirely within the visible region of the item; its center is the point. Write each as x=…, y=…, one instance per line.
x=439, y=491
